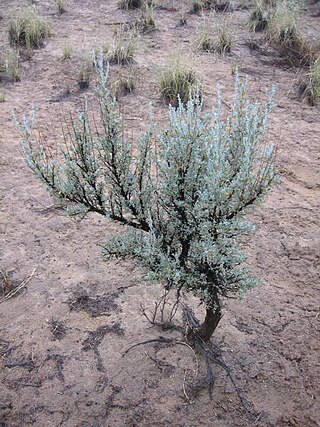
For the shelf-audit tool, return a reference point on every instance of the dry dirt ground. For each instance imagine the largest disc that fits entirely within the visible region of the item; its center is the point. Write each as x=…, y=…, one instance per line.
x=64, y=334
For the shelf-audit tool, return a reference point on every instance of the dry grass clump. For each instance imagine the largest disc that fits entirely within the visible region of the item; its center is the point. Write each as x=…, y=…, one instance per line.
x=147, y=21
x=310, y=89
x=6, y=285
x=221, y=44
x=283, y=22
x=197, y=6
x=61, y=6
x=224, y=40
x=67, y=51
x=217, y=5
x=284, y=36
x=122, y=51
x=258, y=18
x=178, y=82
x=10, y=66
x=206, y=42
x=28, y=28
x=84, y=73
x=129, y=4
x=279, y=20
x=2, y=96
x=124, y=85
x=182, y=19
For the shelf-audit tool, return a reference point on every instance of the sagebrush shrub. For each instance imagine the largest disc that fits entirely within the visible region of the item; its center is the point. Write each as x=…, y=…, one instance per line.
x=28, y=28
x=182, y=191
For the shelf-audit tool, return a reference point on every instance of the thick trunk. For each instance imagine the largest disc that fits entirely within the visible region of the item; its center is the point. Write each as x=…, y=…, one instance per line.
x=203, y=331
x=211, y=321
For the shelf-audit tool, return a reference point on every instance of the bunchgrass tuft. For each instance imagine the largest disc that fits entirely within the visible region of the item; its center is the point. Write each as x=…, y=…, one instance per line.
x=207, y=42
x=224, y=40
x=147, y=22
x=122, y=51
x=124, y=85
x=129, y=4
x=84, y=73
x=28, y=28
x=67, y=51
x=61, y=6
x=182, y=19
x=197, y=6
x=279, y=20
x=2, y=96
x=283, y=34
x=310, y=89
x=201, y=5
x=13, y=65
x=258, y=19
x=10, y=66
x=221, y=43
x=178, y=82
x=283, y=23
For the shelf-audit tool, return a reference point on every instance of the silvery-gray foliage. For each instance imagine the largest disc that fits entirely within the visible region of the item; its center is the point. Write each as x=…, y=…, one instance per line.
x=183, y=191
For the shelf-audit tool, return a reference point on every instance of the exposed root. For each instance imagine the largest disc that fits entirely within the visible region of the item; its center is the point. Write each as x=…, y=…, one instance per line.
x=211, y=356
x=160, y=339
x=198, y=346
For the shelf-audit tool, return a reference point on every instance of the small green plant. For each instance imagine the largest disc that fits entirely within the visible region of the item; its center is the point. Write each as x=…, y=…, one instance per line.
x=179, y=82
x=84, y=74
x=61, y=6
x=67, y=51
x=122, y=52
x=310, y=89
x=258, y=20
x=183, y=193
x=129, y=4
x=28, y=28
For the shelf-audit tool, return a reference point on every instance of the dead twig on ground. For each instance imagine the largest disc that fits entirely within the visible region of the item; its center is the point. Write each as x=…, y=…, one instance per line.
x=18, y=288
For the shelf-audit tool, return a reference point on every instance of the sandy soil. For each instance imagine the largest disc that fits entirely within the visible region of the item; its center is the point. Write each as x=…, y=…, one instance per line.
x=64, y=334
